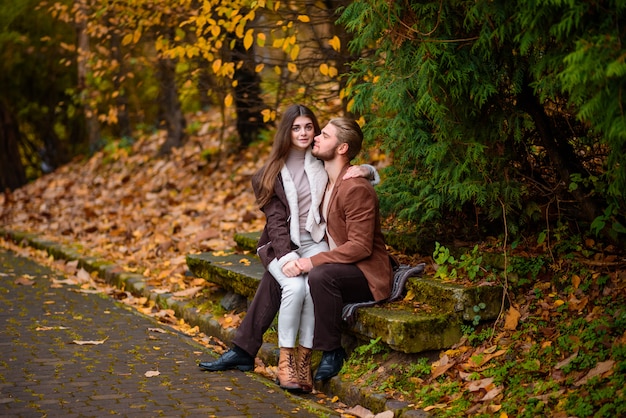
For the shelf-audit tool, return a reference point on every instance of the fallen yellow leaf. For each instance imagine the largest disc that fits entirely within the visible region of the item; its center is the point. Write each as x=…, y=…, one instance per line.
x=511, y=319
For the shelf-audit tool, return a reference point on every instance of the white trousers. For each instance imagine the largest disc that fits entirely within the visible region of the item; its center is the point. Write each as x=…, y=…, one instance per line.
x=296, y=316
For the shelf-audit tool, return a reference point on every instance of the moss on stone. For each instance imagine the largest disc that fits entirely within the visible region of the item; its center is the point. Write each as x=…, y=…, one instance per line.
x=408, y=331
x=247, y=241
x=457, y=298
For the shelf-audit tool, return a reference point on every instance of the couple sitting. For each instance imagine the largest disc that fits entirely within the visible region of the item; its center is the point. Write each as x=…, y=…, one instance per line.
x=322, y=247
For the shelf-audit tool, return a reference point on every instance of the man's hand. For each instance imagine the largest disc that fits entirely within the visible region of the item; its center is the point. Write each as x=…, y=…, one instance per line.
x=358, y=171
x=304, y=264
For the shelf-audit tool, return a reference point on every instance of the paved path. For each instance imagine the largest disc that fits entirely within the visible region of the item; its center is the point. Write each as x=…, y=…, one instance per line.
x=44, y=373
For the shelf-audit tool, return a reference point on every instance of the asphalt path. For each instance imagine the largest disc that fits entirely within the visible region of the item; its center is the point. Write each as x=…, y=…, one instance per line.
x=64, y=353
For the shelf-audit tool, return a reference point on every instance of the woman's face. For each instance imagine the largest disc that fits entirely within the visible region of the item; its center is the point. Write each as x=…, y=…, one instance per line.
x=302, y=133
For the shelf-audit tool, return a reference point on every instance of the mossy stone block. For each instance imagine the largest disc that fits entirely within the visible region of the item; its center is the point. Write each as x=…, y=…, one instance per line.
x=408, y=331
x=240, y=273
x=247, y=241
x=457, y=298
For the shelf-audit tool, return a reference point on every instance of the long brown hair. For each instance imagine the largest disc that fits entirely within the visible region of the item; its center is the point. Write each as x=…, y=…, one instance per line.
x=280, y=149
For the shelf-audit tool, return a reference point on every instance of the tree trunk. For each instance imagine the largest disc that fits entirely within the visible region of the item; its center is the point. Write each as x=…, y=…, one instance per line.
x=170, y=107
x=12, y=172
x=54, y=153
x=121, y=100
x=558, y=149
x=248, y=100
x=91, y=116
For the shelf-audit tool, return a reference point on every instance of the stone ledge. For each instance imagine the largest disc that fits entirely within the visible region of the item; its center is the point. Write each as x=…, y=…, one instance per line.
x=398, y=325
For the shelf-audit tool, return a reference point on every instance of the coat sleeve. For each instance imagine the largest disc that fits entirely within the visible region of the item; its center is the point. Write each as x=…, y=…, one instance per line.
x=277, y=219
x=355, y=214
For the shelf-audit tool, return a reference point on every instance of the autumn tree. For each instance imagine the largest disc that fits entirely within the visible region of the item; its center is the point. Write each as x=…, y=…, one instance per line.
x=39, y=126
x=495, y=111
x=267, y=53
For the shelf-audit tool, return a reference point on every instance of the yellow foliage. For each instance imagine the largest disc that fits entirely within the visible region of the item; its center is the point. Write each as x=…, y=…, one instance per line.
x=304, y=18
x=239, y=29
x=216, y=65
x=259, y=68
x=335, y=43
x=268, y=115
x=324, y=69
x=137, y=35
x=292, y=67
x=248, y=39
x=350, y=105
x=294, y=52
x=192, y=51
x=260, y=39
x=127, y=39
x=228, y=100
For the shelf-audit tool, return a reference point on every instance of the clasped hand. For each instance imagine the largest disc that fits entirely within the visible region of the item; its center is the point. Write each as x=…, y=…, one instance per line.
x=297, y=267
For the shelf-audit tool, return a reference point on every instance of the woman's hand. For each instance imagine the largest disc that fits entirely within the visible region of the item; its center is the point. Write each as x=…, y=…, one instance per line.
x=291, y=269
x=358, y=171
x=304, y=264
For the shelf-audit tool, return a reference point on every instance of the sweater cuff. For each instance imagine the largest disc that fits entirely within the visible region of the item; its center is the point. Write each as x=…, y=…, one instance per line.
x=374, y=177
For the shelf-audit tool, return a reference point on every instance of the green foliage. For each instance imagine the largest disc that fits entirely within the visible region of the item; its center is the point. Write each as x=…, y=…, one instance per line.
x=35, y=74
x=468, y=265
x=374, y=347
x=469, y=98
x=476, y=337
x=362, y=360
x=527, y=269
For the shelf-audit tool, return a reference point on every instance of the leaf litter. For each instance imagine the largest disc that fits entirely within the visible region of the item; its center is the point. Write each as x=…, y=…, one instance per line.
x=146, y=213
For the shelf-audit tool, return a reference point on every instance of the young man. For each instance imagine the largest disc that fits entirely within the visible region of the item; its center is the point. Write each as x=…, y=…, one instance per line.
x=356, y=269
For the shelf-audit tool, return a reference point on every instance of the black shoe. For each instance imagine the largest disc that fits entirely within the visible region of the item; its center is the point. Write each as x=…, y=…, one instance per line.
x=235, y=358
x=330, y=365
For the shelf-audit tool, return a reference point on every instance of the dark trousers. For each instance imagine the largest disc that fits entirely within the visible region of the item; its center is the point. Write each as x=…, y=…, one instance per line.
x=332, y=286
x=260, y=315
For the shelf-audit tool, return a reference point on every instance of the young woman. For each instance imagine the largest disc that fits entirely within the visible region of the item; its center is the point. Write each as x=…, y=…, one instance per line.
x=289, y=190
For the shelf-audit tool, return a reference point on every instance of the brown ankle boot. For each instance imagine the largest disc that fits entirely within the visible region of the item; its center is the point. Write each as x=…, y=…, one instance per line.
x=287, y=375
x=305, y=379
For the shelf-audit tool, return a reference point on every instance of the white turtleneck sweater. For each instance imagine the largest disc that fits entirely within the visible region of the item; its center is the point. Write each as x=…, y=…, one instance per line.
x=295, y=165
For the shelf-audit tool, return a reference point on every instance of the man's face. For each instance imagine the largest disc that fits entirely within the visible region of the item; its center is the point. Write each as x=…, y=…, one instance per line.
x=326, y=143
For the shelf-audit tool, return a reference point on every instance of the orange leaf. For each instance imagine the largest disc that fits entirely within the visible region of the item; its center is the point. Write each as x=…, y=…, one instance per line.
x=248, y=39
x=576, y=281
x=511, y=319
x=24, y=280
x=335, y=43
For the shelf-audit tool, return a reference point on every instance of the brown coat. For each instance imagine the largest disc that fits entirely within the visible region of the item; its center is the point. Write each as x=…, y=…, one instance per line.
x=275, y=241
x=353, y=221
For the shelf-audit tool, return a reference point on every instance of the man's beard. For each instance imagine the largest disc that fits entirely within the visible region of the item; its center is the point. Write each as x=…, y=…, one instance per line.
x=325, y=156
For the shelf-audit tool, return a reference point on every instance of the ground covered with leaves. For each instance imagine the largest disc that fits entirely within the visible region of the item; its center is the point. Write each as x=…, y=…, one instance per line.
x=558, y=350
